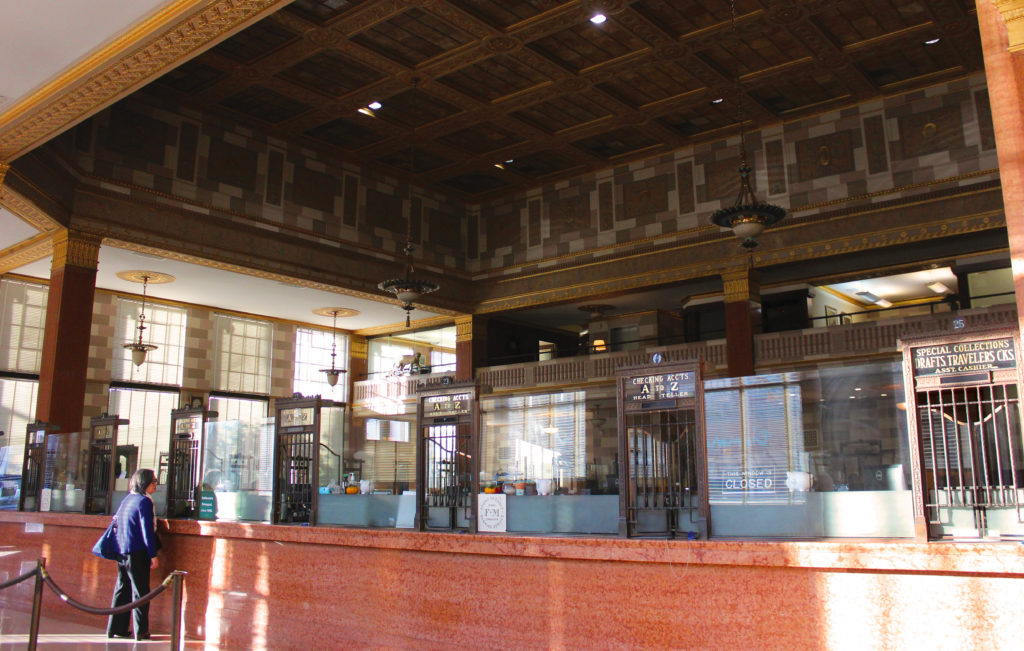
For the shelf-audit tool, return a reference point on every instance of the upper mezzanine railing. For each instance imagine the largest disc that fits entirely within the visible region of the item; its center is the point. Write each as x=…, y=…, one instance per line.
x=771, y=350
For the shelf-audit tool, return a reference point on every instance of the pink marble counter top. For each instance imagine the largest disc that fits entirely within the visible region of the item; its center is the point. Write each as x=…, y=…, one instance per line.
x=991, y=558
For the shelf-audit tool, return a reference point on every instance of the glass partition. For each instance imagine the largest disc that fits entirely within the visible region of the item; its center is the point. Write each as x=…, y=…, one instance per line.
x=377, y=484
x=809, y=454
x=63, y=474
x=555, y=456
x=238, y=467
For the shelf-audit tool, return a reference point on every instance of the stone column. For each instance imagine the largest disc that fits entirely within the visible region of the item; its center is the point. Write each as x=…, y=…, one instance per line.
x=65, y=360
x=1002, y=42
x=470, y=345
x=742, y=301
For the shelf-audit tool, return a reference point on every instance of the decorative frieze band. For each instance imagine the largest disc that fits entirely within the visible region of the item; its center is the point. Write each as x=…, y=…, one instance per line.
x=1012, y=12
x=168, y=37
x=75, y=250
x=463, y=329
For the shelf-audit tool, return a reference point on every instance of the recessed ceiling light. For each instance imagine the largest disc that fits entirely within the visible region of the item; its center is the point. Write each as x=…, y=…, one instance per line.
x=939, y=288
x=718, y=100
x=373, y=106
x=932, y=41
x=367, y=111
x=597, y=19
x=500, y=166
x=883, y=303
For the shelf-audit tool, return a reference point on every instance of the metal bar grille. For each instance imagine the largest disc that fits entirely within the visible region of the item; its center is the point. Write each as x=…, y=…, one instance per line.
x=661, y=470
x=448, y=467
x=97, y=488
x=32, y=481
x=972, y=446
x=296, y=456
x=184, y=466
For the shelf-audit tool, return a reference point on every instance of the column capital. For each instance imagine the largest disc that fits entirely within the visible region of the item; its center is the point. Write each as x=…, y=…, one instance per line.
x=75, y=249
x=358, y=347
x=464, y=328
x=3, y=171
x=740, y=284
x=1012, y=12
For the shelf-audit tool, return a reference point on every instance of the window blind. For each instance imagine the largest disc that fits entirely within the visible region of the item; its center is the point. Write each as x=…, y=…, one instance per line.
x=312, y=353
x=22, y=322
x=243, y=354
x=149, y=421
x=17, y=410
x=165, y=328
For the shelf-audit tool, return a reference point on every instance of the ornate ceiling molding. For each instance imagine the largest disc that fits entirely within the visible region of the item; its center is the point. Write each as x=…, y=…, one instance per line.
x=27, y=211
x=1012, y=12
x=167, y=38
x=26, y=252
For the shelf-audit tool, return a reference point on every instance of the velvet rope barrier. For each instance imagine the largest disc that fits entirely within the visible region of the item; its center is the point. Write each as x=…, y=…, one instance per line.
x=103, y=611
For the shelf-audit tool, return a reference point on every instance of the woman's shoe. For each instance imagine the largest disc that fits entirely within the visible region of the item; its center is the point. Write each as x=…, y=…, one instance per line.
x=113, y=634
x=141, y=636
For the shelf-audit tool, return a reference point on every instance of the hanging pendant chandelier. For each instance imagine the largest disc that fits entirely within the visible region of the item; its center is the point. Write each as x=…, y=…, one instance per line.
x=747, y=217
x=407, y=289
x=333, y=372
x=138, y=348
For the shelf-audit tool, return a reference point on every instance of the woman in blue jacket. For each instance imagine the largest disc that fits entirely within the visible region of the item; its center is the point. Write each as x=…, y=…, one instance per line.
x=138, y=544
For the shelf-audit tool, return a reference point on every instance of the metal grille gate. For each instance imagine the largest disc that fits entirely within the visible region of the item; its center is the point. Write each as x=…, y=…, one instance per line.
x=97, y=491
x=449, y=475
x=32, y=477
x=295, y=476
x=183, y=477
x=972, y=448
x=661, y=480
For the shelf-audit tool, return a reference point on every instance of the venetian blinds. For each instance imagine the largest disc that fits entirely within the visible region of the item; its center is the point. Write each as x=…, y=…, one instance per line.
x=149, y=422
x=312, y=353
x=536, y=437
x=243, y=354
x=754, y=437
x=17, y=410
x=239, y=445
x=390, y=454
x=22, y=322
x=165, y=328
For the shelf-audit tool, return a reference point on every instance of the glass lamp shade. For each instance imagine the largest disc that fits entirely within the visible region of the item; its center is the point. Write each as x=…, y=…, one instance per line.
x=139, y=351
x=407, y=295
x=748, y=227
x=332, y=375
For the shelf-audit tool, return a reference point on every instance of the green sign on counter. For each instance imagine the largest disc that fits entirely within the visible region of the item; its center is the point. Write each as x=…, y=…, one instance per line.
x=207, y=505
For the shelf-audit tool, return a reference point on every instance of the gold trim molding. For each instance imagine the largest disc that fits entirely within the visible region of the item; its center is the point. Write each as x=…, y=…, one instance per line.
x=27, y=211
x=1012, y=12
x=739, y=286
x=26, y=252
x=162, y=41
x=73, y=249
x=3, y=173
x=463, y=329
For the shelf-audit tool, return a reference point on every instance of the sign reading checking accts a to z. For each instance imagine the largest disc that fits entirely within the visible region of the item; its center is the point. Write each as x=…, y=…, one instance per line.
x=451, y=404
x=660, y=386
x=965, y=357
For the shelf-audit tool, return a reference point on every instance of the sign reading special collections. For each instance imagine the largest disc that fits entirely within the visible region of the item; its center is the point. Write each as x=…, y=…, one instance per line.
x=965, y=357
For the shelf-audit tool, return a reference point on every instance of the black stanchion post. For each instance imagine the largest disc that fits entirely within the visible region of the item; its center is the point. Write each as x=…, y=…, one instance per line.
x=37, y=606
x=179, y=579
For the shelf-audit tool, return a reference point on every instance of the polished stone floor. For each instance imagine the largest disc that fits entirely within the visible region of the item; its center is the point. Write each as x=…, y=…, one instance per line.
x=57, y=635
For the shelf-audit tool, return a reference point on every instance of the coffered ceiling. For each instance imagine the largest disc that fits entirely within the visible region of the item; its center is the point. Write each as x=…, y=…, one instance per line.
x=535, y=87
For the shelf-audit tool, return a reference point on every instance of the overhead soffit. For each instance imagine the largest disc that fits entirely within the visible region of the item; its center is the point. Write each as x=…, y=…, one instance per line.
x=469, y=84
